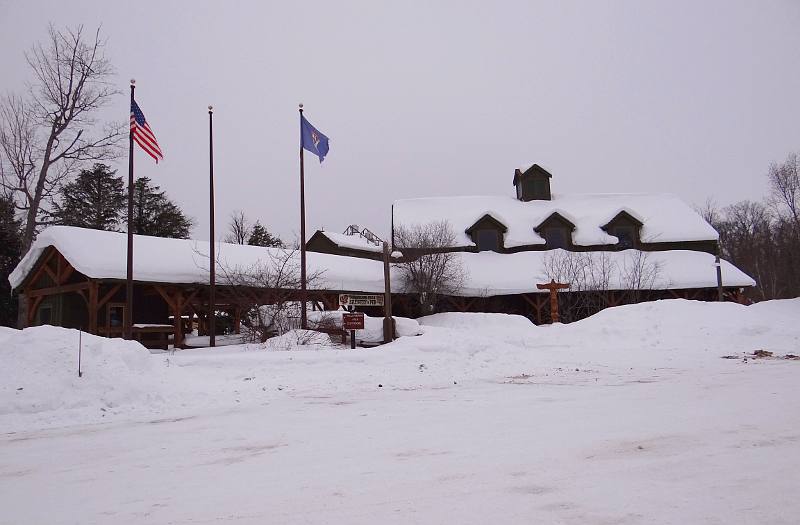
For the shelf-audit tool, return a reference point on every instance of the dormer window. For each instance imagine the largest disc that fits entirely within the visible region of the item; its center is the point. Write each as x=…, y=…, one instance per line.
x=556, y=230
x=625, y=227
x=487, y=234
x=625, y=236
x=555, y=238
x=487, y=240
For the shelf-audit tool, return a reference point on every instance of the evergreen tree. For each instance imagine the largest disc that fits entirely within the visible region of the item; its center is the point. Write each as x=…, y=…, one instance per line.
x=10, y=253
x=154, y=214
x=260, y=236
x=95, y=199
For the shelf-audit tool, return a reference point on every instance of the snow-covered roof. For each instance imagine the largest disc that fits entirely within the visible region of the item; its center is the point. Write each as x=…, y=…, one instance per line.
x=355, y=242
x=665, y=217
x=491, y=273
x=101, y=255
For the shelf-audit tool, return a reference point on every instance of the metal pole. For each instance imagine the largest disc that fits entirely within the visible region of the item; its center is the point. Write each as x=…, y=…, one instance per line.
x=388, y=322
x=128, y=317
x=212, y=260
x=718, y=264
x=303, y=291
x=80, y=334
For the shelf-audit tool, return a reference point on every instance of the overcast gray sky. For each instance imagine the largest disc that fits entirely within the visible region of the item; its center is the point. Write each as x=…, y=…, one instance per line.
x=443, y=98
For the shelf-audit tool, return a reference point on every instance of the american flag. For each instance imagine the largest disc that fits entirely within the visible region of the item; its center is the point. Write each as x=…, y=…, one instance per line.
x=143, y=135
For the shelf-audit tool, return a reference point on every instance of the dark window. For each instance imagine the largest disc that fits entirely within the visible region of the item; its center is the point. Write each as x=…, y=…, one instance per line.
x=45, y=315
x=625, y=234
x=487, y=240
x=116, y=315
x=556, y=238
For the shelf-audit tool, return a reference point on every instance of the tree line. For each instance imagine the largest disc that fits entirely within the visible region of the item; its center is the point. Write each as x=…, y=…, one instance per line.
x=763, y=237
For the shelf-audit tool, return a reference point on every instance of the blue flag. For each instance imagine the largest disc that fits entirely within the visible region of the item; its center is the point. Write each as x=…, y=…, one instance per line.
x=312, y=140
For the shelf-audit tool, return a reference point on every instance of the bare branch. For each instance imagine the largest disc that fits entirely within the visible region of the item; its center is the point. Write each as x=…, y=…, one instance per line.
x=430, y=269
x=46, y=136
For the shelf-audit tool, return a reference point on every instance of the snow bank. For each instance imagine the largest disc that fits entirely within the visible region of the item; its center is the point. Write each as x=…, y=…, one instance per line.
x=688, y=330
x=121, y=377
x=373, y=326
x=299, y=340
x=485, y=322
x=40, y=372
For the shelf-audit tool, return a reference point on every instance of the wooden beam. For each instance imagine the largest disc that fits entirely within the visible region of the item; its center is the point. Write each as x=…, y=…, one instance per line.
x=33, y=307
x=537, y=304
x=191, y=296
x=45, y=259
x=51, y=273
x=93, y=292
x=177, y=311
x=52, y=290
x=107, y=297
x=164, y=295
x=237, y=320
x=64, y=275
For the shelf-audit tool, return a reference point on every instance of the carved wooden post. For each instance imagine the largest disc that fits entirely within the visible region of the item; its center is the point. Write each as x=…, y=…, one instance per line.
x=553, y=287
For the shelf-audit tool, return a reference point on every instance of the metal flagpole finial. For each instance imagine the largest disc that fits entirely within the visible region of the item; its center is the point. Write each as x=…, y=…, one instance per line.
x=301, y=106
x=133, y=82
x=210, y=109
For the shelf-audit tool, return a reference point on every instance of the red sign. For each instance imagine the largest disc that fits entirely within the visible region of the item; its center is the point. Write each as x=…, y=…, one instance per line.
x=353, y=321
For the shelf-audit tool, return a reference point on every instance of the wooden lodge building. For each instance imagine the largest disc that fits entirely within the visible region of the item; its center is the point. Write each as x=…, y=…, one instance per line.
x=74, y=277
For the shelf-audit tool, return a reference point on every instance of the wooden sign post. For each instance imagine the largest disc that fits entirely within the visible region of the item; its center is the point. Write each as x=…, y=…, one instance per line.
x=553, y=287
x=353, y=321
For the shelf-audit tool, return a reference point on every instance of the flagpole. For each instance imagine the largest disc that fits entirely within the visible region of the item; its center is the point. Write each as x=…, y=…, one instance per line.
x=212, y=261
x=303, y=291
x=128, y=316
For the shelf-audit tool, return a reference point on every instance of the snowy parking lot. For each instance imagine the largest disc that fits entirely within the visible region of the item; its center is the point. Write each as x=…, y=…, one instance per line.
x=630, y=416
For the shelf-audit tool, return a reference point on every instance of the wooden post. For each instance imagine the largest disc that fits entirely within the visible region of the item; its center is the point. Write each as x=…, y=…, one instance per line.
x=93, y=306
x=388, y=321
x=237, y=320
x=553, y=287
x=179, y=302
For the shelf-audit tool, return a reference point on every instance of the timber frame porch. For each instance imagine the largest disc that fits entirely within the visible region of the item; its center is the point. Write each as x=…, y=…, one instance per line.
x=160, y=309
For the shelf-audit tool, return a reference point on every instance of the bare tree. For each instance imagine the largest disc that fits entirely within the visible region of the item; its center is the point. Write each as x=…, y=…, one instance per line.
x=784, y=181
x=239, y=228
x=748, y=238
x=710, y=212
x=429, y=270
x=47, y=135
x=639, y=274
x=266, y=292
x=589, y=275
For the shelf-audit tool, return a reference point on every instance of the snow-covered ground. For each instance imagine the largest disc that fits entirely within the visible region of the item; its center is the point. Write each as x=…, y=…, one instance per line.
x=631, y=417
